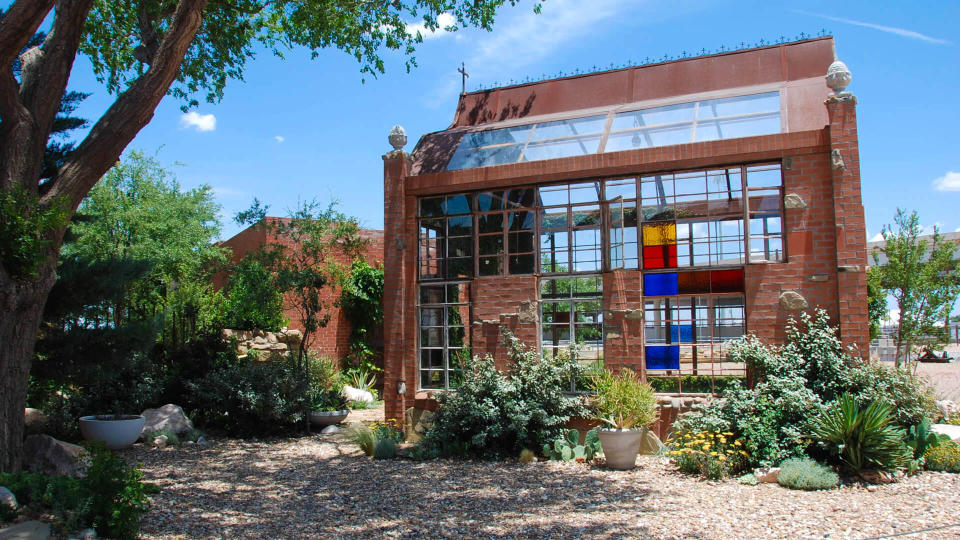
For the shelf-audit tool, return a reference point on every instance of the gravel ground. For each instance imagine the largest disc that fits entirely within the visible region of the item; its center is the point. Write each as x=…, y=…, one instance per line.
x=323, y=487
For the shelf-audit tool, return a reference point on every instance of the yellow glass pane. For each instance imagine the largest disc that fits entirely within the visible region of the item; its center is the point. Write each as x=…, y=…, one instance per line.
x=660, y=234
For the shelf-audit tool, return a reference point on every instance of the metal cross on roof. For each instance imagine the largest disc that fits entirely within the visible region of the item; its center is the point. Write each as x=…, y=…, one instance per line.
x=463, y=78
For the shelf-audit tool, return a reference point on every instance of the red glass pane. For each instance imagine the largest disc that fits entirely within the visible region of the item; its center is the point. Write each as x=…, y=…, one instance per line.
x=724, y=281
x=694, y=282
x=660, y=256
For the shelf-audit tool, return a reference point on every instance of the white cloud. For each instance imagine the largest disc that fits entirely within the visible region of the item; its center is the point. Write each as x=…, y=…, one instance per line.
x=280, y=138
x=200, y=122
x=528, y=38
x=948, y=182
x=877, y=238
x=903, y=32
x=444, y=20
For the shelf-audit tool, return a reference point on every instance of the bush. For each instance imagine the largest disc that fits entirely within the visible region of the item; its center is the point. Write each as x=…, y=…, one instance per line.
x=944, y=457
x=252, y=398
x=378, y=440
x=494, y=415
x=623, y=401
x=254, y=301
x=324, y=373
x=807, y=475
x=110, y=498
x=711, y=455
x=912, y=398
x=861, y=438
x=385, y=449
x=693, y=384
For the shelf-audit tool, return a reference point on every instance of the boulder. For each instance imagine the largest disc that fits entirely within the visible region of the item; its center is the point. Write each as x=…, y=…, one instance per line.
x=330, y=430
x=46, y=455
x=34, y=421
x=160, y=441
x=356, y=394
x=416, y=423
x=947, y=429
x=650, y=444
x=7, y=498
x=767, y=475
x=877, y=477
x=169, y=416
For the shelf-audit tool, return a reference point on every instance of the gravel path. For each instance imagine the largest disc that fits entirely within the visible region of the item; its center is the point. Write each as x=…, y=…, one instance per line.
x=322, y=487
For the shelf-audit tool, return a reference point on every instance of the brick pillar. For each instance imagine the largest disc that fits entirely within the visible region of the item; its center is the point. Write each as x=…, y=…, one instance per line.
x=850, y=224
x=396, y=297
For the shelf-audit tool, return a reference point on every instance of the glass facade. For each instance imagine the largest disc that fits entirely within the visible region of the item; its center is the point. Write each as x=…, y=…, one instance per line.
x=615, y=131
x=690, y=233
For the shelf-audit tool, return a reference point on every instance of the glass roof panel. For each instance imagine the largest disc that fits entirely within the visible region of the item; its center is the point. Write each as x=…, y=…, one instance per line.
x=705, y=120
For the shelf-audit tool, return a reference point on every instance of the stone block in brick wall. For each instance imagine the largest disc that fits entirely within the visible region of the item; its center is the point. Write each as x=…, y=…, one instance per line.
x=416, y=422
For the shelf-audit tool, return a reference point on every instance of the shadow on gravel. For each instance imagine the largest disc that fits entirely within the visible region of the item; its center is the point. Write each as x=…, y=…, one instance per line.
x=254, y=489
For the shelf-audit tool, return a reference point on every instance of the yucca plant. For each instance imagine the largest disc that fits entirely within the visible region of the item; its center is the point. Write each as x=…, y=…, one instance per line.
x=862, y=438
x=623, y=401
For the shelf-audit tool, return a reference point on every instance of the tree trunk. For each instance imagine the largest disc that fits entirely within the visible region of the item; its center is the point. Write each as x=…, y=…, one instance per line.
x=21, y=308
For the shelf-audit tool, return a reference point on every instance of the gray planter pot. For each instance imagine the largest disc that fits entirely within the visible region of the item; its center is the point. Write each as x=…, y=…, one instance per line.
x=328, y=418
x=116, y=434
x=620, y=446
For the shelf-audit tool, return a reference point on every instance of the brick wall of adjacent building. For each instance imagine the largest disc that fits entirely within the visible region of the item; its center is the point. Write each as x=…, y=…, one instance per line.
x=334, y=339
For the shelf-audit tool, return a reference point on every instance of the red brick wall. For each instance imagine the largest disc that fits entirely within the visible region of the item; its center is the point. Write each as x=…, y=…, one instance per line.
x=332, y=340
x=496, y=303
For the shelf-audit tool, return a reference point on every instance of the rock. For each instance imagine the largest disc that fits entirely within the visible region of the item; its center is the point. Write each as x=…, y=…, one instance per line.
x=46, y=455
x=271, y=338
x=948, y=409
x=169, y=417
x=768, y=475
x=259, y=340
x=28, y=530
x=356, y=394
x=793, y=301
x=877, y=477
x=34, y=421
x=947, y=429
x=202, y=441
x=293, y=335
x=87, y=534
x=794, y=201
x=650, y=444
x=160, y=441
x=330, y=430
x=416, y=423
x=7, y=498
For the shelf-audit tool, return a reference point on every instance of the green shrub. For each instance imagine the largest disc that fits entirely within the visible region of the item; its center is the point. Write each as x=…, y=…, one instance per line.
x=359, y=405
x=623, y=401
x=693, y=384
x=861, y=438
x=497, y=415
x=568, y=447
x=362, y=436
x=911, y=397
x=324, y=373
x=807, y=475
x=110, y=498
x=385, y=449
x=253, y=301
x=252, y=398
x=944, y=457
x=748, y=479
x=328, y=400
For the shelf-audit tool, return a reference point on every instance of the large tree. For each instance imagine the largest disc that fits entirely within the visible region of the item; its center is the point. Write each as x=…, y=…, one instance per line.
x=142, y=50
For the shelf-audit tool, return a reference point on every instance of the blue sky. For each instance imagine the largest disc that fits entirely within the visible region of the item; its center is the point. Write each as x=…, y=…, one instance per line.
x=301, y=128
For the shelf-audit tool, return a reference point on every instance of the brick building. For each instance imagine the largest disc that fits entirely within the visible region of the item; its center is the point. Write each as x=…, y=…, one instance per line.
x=650, y=214
x=334, y=339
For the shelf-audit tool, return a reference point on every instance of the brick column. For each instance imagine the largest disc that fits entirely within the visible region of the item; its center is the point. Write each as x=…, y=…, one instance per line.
x=396, y=167
x=850, y=225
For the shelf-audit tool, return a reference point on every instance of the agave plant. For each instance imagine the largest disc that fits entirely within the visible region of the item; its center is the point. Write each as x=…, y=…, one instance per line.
x=862, y=438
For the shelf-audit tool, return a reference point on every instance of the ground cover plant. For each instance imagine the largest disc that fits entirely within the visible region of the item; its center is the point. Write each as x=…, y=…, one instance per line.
x=497, y=415
x=944, y=457
x=806, y=474
x=110, y=498
x=712, y=455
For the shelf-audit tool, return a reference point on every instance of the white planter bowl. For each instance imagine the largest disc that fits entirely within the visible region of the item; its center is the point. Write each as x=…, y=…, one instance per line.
x=116, y=434
x=620, y=447
x=328, y=418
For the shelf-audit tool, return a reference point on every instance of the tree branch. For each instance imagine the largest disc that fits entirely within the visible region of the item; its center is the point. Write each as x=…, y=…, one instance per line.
x=132, y=110
x=18, y=25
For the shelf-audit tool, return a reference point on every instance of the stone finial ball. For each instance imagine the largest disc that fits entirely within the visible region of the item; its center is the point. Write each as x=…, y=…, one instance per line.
x=397, y=137
x=838, y=76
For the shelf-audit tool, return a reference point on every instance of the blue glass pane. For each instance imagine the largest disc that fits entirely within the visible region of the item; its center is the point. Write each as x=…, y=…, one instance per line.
x=660, y=284
x=681, y=333
x=663, y=356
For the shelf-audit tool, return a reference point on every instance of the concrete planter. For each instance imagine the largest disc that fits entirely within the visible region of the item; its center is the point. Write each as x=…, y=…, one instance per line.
x=328, y=418
x=620, y=446
x=117, y=433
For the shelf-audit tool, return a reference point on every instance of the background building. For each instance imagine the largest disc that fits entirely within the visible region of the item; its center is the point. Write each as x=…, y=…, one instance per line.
x=649, y=214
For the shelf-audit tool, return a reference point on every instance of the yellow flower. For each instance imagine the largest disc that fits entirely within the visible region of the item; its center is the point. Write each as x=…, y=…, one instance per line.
x=713, y=453
x=728, y=433
x=723, y=439
x=706, y=447
x=737, y=442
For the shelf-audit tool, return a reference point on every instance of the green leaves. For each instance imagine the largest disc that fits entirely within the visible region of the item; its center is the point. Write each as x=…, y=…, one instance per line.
x=862, y=438
x=25, y=231
x=623, y=401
